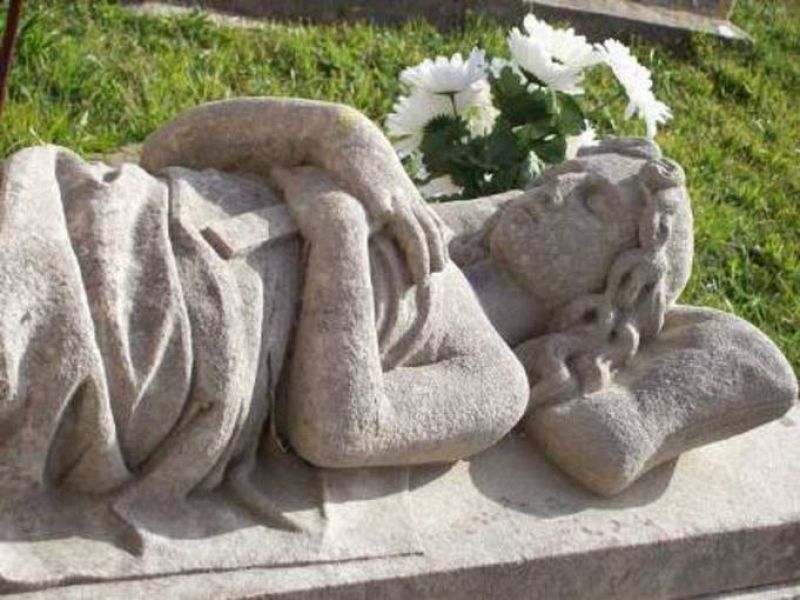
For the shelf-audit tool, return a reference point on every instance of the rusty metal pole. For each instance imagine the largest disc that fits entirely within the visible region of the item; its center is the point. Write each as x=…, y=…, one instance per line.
x=7, y=48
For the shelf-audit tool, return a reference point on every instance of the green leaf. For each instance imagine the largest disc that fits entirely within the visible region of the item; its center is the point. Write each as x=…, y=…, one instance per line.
x=571, y=120
x=500, y=147
x=549, y=98
x=527, y=134
x=517, y=105
x=442, y=144
x=551, y=150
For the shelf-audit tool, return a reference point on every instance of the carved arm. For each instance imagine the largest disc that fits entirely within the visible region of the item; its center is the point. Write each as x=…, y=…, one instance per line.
x=257, y=134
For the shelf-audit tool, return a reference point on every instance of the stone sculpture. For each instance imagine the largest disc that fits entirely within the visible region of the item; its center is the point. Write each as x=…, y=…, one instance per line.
x=269, y=277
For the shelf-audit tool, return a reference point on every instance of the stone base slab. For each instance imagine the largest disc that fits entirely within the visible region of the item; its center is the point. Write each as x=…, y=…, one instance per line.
x=506, y=524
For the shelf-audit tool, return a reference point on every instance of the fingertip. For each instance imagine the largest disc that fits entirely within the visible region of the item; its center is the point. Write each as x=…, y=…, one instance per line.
x=445, y=248
x=420, y=268
x=434, y=238
x=438, y=262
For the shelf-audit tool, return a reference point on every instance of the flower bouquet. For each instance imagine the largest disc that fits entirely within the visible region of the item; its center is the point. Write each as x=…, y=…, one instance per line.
x=469, y=128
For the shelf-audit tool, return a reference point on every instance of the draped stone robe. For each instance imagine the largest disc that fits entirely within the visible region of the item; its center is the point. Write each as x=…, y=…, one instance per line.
x=128, y=347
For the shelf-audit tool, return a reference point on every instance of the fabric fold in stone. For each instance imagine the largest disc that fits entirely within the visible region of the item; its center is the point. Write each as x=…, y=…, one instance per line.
x=138, y=365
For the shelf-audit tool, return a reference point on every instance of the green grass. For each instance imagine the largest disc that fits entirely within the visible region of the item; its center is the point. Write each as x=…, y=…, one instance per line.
x=93, y=77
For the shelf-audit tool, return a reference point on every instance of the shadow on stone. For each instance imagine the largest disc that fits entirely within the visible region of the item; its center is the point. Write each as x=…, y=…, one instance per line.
x=517, y=476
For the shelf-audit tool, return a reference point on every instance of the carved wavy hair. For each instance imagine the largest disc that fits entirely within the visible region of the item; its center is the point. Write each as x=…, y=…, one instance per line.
x=597, y=333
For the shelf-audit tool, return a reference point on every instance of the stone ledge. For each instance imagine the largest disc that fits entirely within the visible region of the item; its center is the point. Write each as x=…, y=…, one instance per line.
x=508, y=525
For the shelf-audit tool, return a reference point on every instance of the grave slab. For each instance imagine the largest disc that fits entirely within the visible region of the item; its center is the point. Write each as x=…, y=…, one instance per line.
x=724, y=519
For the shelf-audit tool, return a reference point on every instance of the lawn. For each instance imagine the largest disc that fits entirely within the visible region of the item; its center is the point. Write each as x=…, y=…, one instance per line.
x=90, y=76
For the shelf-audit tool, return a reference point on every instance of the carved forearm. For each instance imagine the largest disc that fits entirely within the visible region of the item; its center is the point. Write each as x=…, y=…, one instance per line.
x=336, y=380
x=257, y=134
x=254, y=135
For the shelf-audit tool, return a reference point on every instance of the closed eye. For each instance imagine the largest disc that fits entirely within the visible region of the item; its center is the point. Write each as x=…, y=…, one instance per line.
x=598, y=204
x=599, y=196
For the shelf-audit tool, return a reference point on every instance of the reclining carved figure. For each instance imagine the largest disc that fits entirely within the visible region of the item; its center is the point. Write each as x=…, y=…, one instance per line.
x=271, y=272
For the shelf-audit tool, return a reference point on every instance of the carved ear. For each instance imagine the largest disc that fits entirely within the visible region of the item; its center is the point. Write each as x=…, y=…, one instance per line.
x=662, y=173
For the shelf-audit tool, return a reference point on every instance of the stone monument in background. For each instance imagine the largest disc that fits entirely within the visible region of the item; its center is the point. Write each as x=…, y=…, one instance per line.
x=591, y=17
x=655, y=18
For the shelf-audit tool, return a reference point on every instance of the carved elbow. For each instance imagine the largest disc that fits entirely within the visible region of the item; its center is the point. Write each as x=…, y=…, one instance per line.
x=332, y=440
x=514, y=389
x=331, y=451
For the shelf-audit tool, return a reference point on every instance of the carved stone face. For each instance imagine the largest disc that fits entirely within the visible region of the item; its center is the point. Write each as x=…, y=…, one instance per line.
x=558, y=240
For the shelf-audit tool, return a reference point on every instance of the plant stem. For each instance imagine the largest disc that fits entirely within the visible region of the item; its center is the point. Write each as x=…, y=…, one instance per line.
x=595, y=112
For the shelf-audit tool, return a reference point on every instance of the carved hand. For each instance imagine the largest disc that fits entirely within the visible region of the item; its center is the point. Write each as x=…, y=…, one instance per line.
x=318, y=206
x=365, y=162
x=256, y=134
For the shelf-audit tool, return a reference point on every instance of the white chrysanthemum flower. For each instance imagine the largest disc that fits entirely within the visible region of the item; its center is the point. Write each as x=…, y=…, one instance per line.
x=474, y=105
x=446, y=76
x=557, y=57
x=531, y=56
x=564, y=45
x=440, y=186
x=406, y=124
x=638, y=84
x=442, y=87
x=587, y=137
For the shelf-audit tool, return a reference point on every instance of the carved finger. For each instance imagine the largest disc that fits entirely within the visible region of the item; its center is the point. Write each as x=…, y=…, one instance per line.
x=445, y=232
x=410, y=236
x=380, y=209
x=434, y=237
x=435, y=229
x=376, y=199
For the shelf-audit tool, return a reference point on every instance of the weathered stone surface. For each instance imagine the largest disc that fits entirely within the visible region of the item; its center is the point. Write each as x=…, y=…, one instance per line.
x=505, y=524
x=203, y=359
